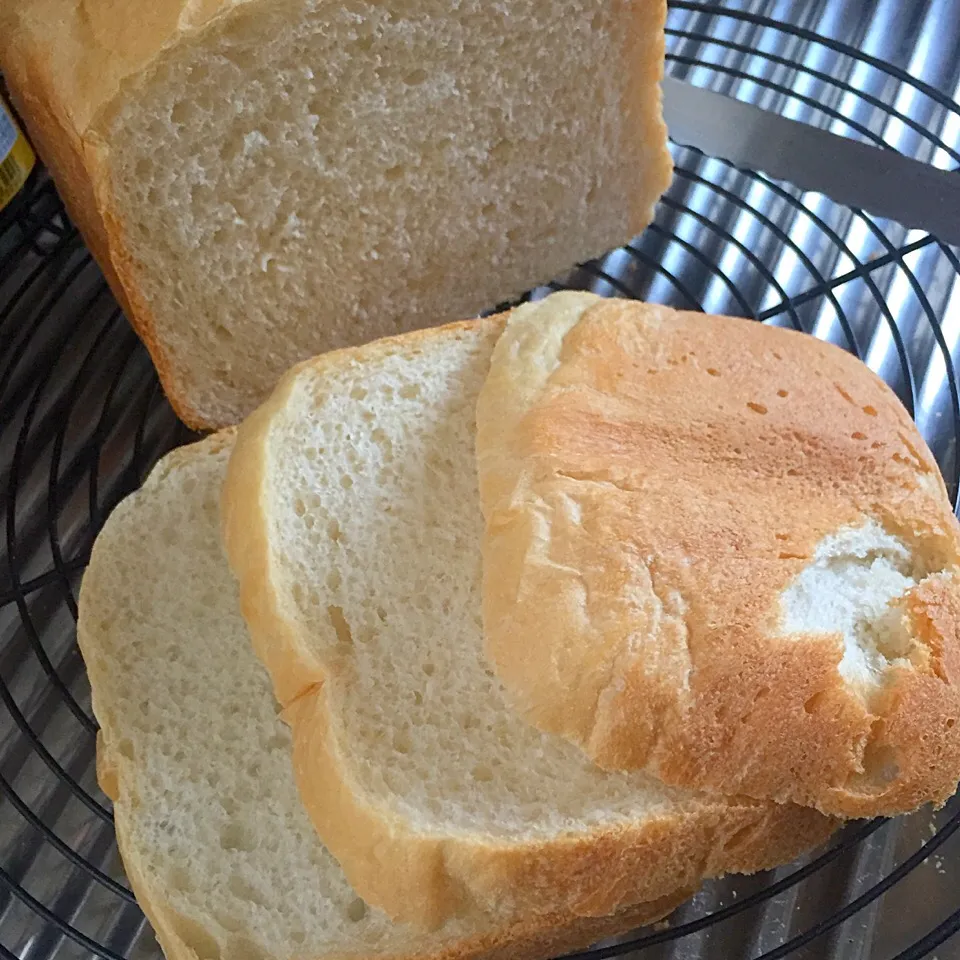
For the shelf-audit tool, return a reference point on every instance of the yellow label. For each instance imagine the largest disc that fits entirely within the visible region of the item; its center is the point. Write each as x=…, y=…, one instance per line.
x=16, y=157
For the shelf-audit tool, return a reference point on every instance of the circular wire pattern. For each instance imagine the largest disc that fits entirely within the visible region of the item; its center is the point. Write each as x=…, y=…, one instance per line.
x=83, y=421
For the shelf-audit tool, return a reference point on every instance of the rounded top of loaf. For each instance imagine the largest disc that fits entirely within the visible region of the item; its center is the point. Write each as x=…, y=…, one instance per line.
x=721, y=552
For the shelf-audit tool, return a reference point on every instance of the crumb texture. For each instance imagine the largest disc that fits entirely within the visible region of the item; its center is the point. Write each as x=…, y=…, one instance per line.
x=303, y=175
x=207, y=810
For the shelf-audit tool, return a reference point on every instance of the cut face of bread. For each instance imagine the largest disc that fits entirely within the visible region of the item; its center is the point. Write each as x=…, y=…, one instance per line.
x=214, y=839
x=281, y=177
x=719, y=552
x=352, y=518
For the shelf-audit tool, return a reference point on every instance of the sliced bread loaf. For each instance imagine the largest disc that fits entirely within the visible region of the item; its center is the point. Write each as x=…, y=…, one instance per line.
x=218, y=849
x=352, y=518
x=263, y=180
x=729, y=555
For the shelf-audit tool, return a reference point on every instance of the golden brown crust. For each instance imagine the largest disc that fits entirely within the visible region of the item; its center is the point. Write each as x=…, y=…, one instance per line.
x=557, y=935
x=547, y=937
x=589, y=875
x=651, y=485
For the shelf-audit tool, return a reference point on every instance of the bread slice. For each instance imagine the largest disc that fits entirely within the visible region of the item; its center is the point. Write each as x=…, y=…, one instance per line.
x=263, y=180
x=352, y=519
x=729, y=553
x=218, y=849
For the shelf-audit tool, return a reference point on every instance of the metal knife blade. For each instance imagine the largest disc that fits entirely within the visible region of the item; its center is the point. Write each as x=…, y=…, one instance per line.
x=879, y=181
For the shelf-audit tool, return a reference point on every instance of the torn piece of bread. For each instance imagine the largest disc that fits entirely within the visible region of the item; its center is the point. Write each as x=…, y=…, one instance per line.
x=262, y=181
x=719, y=552
x=352, y=519
x=217, y=847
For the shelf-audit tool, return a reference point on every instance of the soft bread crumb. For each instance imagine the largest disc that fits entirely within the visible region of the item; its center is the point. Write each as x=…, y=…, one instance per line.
x=848, y=589
x=307, y=175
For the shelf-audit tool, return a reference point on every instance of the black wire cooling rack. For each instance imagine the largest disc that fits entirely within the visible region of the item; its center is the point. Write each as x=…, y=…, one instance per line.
x=83, y=420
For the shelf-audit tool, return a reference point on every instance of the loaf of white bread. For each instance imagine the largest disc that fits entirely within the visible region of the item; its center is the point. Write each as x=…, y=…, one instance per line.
x=263, y=181
x=720, y=552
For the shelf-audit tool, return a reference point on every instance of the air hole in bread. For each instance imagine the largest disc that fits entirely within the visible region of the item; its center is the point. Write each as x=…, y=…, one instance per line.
x=413, y=78
x=500, y=151
x=339, y=623
x=178, y=879
x=228, y=921
x=357, y=910
x=180, y=113
x=243, y=890
x=812, y=704
x=235, y=836
x=843, y=393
